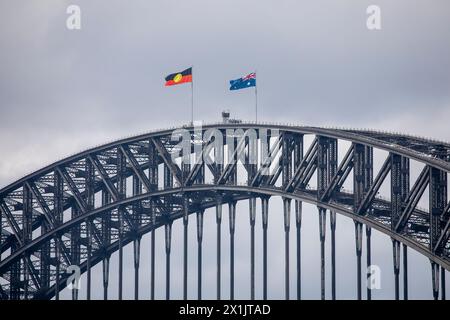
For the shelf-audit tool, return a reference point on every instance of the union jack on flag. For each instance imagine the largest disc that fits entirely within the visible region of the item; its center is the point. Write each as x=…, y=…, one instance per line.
x=250, y=76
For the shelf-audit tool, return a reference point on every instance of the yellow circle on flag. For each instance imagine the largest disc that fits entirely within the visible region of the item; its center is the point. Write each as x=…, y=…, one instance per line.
x=177, y=78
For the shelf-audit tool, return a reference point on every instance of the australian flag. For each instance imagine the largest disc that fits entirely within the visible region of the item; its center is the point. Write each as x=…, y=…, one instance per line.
x=244, y=82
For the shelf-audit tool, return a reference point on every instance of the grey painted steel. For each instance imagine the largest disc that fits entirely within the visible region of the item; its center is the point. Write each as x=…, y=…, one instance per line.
x=73, y=183
x=252, y=209
x=287, y=219
x=298, y=222
x=265, y=220
x=368, y=260
x=333, y=254
x=322, y=228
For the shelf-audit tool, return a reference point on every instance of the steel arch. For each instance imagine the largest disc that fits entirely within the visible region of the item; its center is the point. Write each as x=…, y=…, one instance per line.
x=247, y=193
x=41, y=200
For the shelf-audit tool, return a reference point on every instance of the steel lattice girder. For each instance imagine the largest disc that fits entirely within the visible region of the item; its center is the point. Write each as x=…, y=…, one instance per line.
x=105, y=169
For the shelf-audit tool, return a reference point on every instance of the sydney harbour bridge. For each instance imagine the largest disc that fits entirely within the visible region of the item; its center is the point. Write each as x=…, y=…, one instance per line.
x=81, y=210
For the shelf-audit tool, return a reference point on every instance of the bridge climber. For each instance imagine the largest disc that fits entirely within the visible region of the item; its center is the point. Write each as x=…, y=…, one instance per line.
x=78, y=211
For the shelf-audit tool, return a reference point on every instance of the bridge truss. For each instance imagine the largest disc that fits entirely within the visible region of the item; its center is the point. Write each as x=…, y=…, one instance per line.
x=80, y=210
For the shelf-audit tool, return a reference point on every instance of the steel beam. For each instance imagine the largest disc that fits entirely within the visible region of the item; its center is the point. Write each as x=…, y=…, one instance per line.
x=152, y=250
x=121, y=193
x=138, y=172
x=437, y=203
x=287, y=176
x=411, y=198
x=58, y=211
x=153, y=161
x=137, y=183
x=165, y=156
x=121, y=235
x=72, y=187
x=75, y=248
x=368, y=261
x=322, y=166
x=168, y=238
x=298, y=157
x=58, y=266
x=326, y=169
x=137, y=255
x=358, y=175
x=341, y=174
x=374, y=187
x=435, y=279
x=25, y=281
x=93, y=159
x=14, y=289
x=185, y=244
x=332, y=157
x=364, y=190
x=252, y=216
x=88, y=258
x=368, y=168
x=199, y=164
x=90, y=201
x=1, y=239
x=286, y=159
x=405, y=272
x=333, y=254
x=445, y=234
x=11, y=222
x=265, y=220
x=332, y=168
x=287, y=224
x=199, y=254
x=322, y=227
x=265, y=165
x=105, y=277
x=396, y=197
x=168, y=177
x=232, y=219
x=219, y=246
x=33, y=274
x=228, y=174
x=42, y=203
x=358, y=241
x=219, y=160
x=298, y=222
x=45, y=259
x=309, y=172
x=396, y=263
x=301, y=168
x=106, y=240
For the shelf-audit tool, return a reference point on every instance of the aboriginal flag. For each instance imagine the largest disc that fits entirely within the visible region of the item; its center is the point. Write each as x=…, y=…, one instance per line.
x=179, y=77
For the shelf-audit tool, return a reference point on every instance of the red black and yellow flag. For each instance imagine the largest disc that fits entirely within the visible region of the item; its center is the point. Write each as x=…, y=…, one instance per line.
x=179, y=77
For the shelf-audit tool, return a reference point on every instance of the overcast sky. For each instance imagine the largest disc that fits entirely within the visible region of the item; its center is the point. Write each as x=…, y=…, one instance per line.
x=317, y=64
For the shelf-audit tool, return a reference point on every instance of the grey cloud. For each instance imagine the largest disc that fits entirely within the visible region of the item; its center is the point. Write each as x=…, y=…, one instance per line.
x=62, y=91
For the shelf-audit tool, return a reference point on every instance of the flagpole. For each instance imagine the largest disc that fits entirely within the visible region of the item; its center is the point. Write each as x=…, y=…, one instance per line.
x=192, y=96
x=256, y=98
